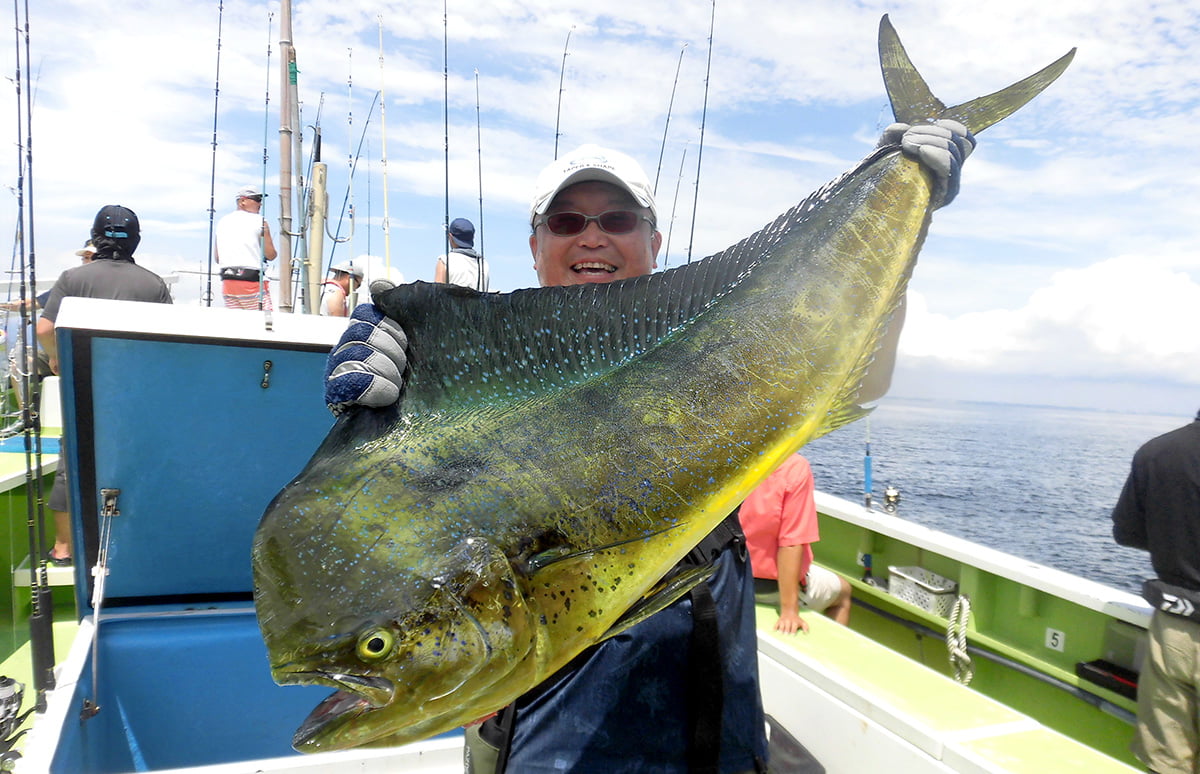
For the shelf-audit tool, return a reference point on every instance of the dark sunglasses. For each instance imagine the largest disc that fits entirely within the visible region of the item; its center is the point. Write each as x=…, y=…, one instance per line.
x=615, y=222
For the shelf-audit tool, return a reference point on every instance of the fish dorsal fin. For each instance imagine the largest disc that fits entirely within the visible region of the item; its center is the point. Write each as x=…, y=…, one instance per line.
x=913, y=102
x=493, y=349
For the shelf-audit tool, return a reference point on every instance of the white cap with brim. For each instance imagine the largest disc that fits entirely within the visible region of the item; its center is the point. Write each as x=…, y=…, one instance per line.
x=591, y=163
x=348, y=267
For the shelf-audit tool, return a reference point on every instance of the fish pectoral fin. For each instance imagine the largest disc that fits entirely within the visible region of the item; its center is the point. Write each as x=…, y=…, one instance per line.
x=660, y=597
x=841, y=418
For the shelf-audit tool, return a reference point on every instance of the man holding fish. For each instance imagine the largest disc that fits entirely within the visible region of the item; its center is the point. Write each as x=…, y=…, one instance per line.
x=677, y=692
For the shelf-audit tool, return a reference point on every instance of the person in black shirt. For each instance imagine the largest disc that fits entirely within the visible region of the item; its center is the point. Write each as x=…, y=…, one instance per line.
x=1159, y=511
x=110, y=273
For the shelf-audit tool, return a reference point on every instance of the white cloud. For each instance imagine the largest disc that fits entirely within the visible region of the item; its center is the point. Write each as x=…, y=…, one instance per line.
x=1031, y=268
x=1131, y=317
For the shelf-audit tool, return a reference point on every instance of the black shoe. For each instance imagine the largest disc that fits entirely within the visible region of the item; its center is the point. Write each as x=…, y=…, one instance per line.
x=56, y=561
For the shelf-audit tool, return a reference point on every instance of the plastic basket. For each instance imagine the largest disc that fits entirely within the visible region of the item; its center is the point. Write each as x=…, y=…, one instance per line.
x=927, y=590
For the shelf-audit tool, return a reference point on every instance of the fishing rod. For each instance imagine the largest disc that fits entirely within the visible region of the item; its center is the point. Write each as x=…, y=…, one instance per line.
x=262, y=239
x=446, y=117
x=663, y=147
x=479, y=153
x=305, y=288
x=674, y=202
x=561, y=76
x=369, y=190
x=313, y=202
x=387, y=244
x=289, y=153
x=868, y=477
x=41, y=619
x=349, y=168
x=317, y=201
x=354, y=157
x=212, y=181
x=703, y=117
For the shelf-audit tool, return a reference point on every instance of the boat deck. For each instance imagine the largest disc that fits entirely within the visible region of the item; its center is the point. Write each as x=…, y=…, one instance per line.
x=857, y=706
x=921, y=713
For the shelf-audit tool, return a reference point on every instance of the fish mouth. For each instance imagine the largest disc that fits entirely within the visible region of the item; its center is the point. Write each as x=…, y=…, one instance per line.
x=356, y=695
x=338, y=708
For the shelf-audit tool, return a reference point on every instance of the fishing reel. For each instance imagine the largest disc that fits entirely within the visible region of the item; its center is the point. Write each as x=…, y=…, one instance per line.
x=12, y=694
x=891, y=499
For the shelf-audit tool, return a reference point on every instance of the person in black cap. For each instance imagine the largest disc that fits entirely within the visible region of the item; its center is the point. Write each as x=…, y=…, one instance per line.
x=111, y=273
x=1159, y=511
x=462, y=265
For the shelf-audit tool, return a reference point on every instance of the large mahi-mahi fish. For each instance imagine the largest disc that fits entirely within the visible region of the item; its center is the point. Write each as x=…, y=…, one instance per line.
x=556, y=451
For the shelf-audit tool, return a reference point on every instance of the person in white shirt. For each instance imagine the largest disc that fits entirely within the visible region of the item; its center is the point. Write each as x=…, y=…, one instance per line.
x=244, y=245
x=462, y=265
x=335, y=293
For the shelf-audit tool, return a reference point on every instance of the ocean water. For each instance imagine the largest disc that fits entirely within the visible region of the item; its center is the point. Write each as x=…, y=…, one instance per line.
x=1036, y=482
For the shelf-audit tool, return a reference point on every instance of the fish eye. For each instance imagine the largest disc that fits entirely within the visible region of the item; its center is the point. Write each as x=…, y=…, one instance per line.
x=374, y=644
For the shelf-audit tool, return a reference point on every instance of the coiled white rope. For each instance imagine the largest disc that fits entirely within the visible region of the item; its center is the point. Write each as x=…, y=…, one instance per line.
x=956, y=640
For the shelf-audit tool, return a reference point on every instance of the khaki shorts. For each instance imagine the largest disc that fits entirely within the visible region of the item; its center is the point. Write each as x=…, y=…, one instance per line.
x=823, y=588
x=1168, y=733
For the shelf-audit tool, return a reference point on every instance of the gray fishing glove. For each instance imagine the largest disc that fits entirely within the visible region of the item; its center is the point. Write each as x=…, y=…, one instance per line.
x=941, y=146
x=366, y=368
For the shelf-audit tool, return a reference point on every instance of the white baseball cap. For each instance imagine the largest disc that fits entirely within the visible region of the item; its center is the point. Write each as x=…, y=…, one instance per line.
x=349, y=267
x=591, y=163
x=248, y=192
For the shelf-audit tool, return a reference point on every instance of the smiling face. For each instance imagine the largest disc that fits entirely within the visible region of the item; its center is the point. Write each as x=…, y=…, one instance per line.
x=593, y=255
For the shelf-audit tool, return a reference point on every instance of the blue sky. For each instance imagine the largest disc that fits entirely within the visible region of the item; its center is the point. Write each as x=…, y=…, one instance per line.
x=1067, y=272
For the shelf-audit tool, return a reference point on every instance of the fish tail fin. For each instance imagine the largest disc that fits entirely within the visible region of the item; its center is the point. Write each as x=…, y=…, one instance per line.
x=913, y=102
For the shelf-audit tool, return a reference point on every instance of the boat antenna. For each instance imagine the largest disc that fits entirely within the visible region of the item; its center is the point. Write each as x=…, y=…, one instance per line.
x=479, y=154
x=446, y=116
x=674, y=202
x=41, y=619
x=212, y=182
x=663, y=147
x=387, y=243
x=703, y=117
x=561, y=76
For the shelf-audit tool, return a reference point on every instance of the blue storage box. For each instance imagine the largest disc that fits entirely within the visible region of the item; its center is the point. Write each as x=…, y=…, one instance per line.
x=183, y=423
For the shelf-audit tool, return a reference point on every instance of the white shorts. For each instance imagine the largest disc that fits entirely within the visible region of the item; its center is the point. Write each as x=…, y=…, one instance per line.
x=823, y=588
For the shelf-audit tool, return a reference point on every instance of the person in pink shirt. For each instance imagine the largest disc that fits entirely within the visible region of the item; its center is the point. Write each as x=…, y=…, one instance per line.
x=780, y=522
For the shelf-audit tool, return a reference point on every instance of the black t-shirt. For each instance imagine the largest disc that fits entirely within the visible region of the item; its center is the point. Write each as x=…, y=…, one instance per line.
x=107, y=278
x=1159, y=508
